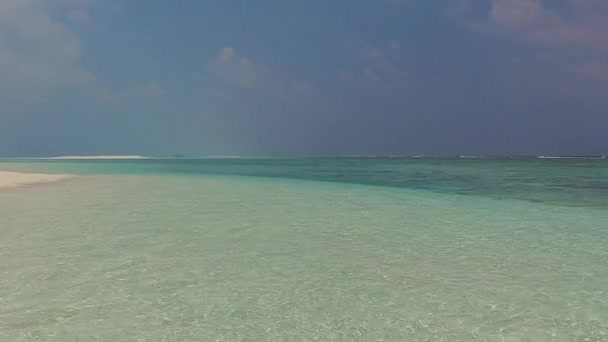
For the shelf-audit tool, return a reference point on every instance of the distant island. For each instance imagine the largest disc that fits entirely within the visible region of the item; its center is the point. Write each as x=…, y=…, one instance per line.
x=99, y=157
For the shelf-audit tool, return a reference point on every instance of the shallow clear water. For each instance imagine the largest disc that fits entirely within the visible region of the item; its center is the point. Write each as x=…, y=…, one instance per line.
x=444, y=250
x=565, y=182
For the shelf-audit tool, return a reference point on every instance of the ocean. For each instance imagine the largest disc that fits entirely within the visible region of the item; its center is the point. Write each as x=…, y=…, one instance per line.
x=303, y=249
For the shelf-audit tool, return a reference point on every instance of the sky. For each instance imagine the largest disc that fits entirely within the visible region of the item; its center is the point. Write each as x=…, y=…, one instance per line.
x=303, y=77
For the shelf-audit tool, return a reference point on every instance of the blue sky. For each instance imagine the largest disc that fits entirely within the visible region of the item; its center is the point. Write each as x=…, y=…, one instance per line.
x=364, y=77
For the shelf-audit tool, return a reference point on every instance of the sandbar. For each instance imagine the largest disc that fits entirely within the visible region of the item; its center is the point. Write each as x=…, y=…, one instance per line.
x=15, y=179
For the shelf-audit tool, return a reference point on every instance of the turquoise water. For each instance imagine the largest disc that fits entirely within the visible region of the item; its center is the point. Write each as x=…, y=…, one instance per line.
x=567, y=182
x=307, y=249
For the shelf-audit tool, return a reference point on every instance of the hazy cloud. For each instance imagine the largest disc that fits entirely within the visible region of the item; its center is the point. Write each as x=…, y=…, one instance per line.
x=149, y=91
x=378, y=65
x=236, y=71
x=38, y=50
x=41, y=53
x=577, y=29
x=387, y=77
x=581, y=23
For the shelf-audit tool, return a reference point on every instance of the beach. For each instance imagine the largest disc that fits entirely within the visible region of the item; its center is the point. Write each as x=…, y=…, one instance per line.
x=15, y=179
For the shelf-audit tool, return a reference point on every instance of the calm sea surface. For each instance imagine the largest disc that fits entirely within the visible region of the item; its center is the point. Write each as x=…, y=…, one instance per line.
x=327, y=249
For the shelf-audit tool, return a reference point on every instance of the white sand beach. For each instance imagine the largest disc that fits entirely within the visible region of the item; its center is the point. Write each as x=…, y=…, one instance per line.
x=14, y=179
x=98, y=157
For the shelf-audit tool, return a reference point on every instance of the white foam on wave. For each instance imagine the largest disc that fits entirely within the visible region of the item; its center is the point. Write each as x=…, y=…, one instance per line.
x=571, y=157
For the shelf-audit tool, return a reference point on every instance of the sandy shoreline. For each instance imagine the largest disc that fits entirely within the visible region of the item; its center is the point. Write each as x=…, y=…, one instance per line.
x=15, y=179
x=97, y=157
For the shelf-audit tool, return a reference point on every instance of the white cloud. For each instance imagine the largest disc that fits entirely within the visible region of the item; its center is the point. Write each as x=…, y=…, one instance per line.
x=235, y=71
x=576, y=29
x=378, y=64
x=581, y=24
x=38, y=51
